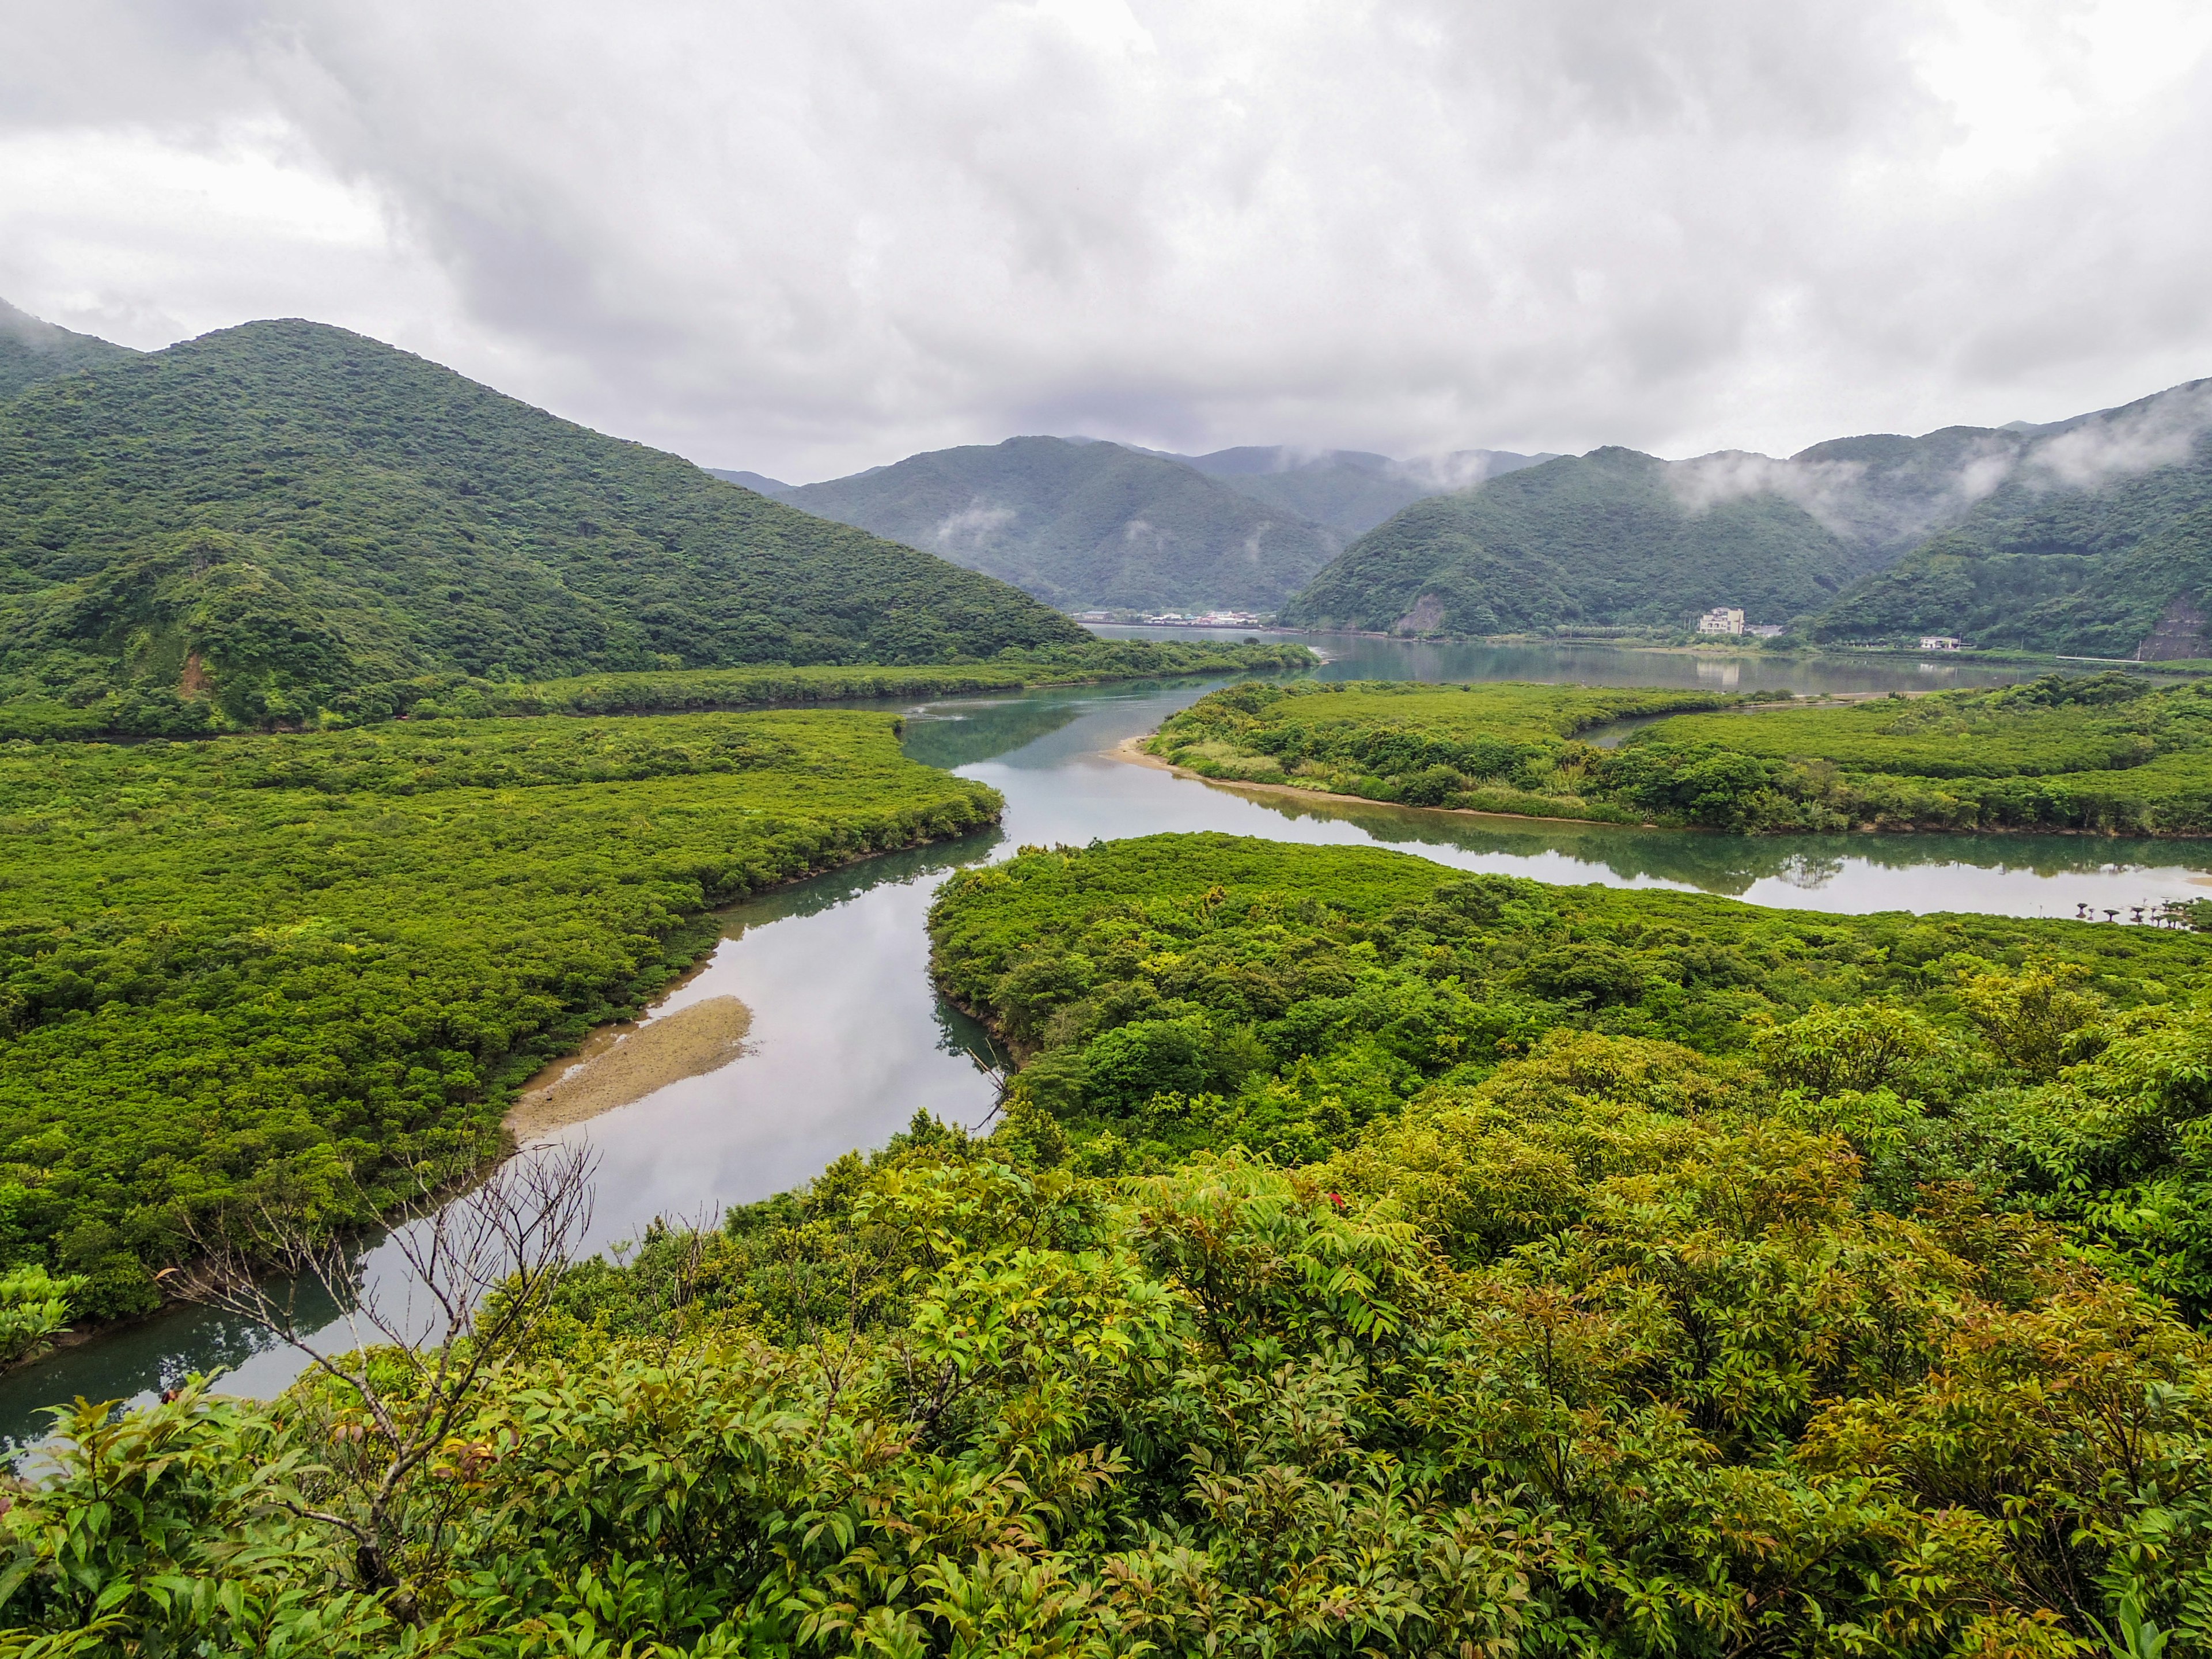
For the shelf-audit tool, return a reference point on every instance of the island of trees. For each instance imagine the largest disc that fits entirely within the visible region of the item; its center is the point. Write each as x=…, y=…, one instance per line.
x=2106, y=753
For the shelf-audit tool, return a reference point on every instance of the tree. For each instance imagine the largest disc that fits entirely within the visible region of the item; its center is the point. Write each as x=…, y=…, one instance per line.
x=486, y=1263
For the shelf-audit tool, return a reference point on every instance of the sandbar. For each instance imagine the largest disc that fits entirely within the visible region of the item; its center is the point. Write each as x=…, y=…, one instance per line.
x=622, y=1064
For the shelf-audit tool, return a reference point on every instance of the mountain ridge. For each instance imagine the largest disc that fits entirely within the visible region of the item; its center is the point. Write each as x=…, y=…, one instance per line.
x=267, y=520
x=33, y=349
x=1851, y=537
x=1083, y=524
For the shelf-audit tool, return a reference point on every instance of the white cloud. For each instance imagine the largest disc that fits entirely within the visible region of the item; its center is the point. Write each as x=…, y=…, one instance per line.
x=973, y=529
x=804, y=238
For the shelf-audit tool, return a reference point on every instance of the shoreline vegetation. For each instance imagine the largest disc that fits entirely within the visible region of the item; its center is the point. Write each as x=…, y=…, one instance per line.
x=2104, y=754
x=278, y=969
x=656, y=691
x=1372, y=1257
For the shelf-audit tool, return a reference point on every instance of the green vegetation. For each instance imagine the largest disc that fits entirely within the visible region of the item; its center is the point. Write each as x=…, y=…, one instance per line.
x=2087, y=536
x=675, y=690
x=1601, y=539
x=32, y=350
x=279, y=964
x=1085, y=523
x=2104, y=753
x=250, y=527
x=2095, y=540
x=1717, y=1289
x=2101, y=591
x=1349, y=490
x=1497, y=747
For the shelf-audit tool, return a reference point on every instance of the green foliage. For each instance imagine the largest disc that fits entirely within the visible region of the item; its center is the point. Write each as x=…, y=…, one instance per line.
x=658, y=691
x=1641, y=1314
x=1531, y=1372
x=245, y=528
x=1085, y=523
x=2045, y=568
x=1496, y=747
x=1592, y=540
x=2107, y=753
x=33, y=1306
x=1282, y=998
x=276, y=964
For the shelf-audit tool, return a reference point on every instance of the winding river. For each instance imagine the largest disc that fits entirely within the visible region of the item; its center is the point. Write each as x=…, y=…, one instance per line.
x=849, y=1039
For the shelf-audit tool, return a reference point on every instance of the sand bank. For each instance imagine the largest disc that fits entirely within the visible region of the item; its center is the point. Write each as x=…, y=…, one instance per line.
x=620, y=1064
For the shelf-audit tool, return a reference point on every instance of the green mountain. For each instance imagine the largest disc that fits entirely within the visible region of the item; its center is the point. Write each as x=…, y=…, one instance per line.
x=1610, y=539
x=282, y=516
x=1082, y=524
x=32, y=350
x=2091, y=536
x=1349, y=490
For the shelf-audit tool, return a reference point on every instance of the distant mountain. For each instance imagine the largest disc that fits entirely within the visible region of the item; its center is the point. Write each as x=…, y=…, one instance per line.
x=754, y=481
x=32, y=350
x=2076, y=535
x=1083, y=524
x=2089, y=535
x=1610, y=538
x=1349, y=490
x=283, y=516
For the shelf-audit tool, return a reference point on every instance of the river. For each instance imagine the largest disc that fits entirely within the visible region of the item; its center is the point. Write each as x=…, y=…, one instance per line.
x=849, y=1040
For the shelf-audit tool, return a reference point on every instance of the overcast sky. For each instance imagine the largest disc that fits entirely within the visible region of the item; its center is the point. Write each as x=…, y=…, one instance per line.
x=814, y=236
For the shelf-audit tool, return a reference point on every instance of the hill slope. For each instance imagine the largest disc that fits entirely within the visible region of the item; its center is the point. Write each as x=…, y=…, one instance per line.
x=1610, y=539
x=2077, y=535
x=2090, y=535
x=32, y=350
x=285, y=514
x=1082, y=524
x=1349, y=490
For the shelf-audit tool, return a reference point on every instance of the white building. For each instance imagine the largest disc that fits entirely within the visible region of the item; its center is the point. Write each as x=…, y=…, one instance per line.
x=1938, y=642
x=1721, y=620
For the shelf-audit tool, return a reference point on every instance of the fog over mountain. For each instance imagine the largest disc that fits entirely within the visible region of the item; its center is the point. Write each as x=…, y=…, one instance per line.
x=2076, y=534
x=1080, y=524
x=1347, y=489
x=32, y=350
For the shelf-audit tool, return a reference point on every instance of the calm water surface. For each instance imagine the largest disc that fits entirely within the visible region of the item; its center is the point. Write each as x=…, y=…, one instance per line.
x=849, y=1040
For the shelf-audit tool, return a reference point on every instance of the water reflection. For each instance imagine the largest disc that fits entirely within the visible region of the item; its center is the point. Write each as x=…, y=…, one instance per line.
x=2019, y=875
x=1358, y=656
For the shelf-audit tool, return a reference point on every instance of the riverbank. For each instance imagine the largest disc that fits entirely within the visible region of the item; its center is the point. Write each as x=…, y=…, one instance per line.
x=1131, y=750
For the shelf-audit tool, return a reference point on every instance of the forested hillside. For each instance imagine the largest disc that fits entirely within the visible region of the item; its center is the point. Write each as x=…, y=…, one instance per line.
x=32, y=350
x=1349, y=490
x=2084, y=534
x=1597, y=539
x=1084, y=525
x=270, y=518
x=2094, y=532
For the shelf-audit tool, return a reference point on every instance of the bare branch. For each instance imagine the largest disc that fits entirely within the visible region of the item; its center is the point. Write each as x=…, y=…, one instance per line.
x=479, y=1271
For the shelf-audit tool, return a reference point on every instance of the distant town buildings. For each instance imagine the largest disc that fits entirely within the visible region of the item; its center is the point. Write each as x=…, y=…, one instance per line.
x=1765, y=631
x=1203, y=619
x=1721, y=620
x=1938, y=642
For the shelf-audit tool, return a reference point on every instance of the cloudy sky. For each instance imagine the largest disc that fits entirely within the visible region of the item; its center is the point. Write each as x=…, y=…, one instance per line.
x=813, y=236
